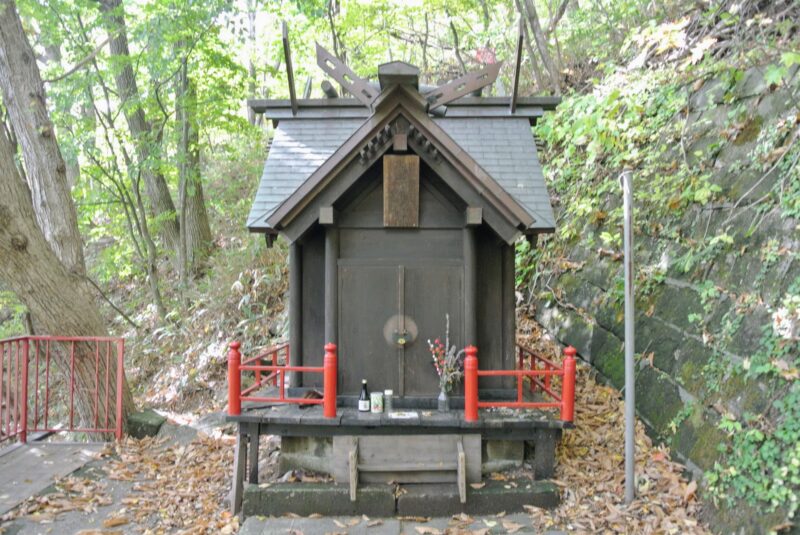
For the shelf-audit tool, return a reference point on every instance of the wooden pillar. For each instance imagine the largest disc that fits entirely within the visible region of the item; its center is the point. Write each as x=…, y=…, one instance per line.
x=470, y=288
x=295, y=310
x=331, y=285
x=509, y=306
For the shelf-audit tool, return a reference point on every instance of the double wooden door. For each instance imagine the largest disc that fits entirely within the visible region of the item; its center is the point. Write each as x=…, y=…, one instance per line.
x=387, y=314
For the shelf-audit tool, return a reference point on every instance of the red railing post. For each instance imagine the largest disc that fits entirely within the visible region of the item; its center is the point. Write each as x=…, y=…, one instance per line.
x=471, y=384
x=120, y=391
x=23, y=432
x=520, y=378
x=568, y=385
x=234, y=380
x=329, y=381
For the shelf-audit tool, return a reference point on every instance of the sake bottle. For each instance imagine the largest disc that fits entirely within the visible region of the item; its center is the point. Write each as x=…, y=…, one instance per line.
x=363, y=398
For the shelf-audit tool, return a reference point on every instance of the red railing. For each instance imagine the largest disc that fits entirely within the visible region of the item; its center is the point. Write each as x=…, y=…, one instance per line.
x=273, y=356
x=276, y=374
x=540, y=374
x=536, y=362
x=41, y=376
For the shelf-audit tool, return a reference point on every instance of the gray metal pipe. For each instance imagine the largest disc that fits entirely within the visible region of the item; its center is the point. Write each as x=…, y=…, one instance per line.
x=626, y=180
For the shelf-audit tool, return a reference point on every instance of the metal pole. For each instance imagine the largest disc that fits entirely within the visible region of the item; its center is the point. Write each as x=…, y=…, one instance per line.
x=626, y=180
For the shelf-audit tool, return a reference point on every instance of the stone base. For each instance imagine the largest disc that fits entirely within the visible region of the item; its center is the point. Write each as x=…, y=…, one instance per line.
x=494, y=497
x=145, y=423
x=306, y=453
x=331, y=499
x=316, y=454
x=318, y=498
x=500, y=455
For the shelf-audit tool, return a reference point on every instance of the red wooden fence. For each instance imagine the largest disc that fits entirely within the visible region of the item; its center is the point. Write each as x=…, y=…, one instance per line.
x=39, y=384
x=540, y=374
x=276, y=375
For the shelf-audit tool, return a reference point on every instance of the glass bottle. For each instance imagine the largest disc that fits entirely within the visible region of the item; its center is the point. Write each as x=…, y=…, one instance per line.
x=363, y=398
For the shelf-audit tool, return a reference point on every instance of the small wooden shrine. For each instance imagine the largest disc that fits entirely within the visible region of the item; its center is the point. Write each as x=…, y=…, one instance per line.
x=401, y=206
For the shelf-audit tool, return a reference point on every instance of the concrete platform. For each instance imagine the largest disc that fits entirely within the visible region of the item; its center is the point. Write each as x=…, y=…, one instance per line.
x=28, y=469
x=383, y=501
x=295, y=420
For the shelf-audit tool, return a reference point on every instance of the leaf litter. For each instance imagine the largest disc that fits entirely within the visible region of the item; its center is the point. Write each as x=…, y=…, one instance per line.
x=590, y=467
x=177, y=488
x=182, y=488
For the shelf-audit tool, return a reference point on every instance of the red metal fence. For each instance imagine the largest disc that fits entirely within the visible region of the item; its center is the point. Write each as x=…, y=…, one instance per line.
x=41, y=377
x=276, y=375
x=540, y=374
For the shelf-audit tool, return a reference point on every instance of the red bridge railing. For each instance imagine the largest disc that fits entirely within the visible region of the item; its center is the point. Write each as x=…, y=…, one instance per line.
x=275, y=374
x=42, y=376
x=540, y=375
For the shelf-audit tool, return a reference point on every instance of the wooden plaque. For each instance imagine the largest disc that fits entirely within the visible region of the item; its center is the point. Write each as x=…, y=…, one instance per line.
x=401, y=191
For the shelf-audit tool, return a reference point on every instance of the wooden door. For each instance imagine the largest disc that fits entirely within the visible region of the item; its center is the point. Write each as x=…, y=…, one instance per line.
x=387, y=314
x=368, y=298
x=430, y=292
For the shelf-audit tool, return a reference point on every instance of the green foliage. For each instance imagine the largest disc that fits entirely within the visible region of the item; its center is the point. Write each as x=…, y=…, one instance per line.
x=12, y=315
x=762, y=462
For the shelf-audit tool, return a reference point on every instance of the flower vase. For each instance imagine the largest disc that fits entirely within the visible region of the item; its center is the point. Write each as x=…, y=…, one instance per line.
x=443, y=401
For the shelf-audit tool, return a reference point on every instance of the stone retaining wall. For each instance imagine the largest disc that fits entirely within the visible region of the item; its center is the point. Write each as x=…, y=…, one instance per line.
x=688, y=323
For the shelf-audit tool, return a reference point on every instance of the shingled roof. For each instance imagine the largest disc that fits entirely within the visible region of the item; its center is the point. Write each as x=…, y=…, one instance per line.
x=503, y=146
x=484, y=145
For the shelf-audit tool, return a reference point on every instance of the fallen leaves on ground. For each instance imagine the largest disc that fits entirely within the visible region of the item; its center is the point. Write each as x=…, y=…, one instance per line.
x=71, y=494
x=178, y=488
x=590, y=468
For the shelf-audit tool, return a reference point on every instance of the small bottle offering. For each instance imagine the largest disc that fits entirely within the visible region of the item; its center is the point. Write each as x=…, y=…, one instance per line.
x=376, y=399
x=363, y=398
x=387, y=400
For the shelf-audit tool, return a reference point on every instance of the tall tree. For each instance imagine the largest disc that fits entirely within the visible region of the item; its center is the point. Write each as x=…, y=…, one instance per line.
x=252, y=6
x=56, y=297
x=537, y=71
x=529, y=11
x=24, y=98
x=145, y=138
x=54, y=292
x=195, y=230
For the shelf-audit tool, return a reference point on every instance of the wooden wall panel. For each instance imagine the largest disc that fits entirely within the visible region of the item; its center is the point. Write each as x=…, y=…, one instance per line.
x=313, y=290
x=490, y=307
x=401, y=191
x=402, y=245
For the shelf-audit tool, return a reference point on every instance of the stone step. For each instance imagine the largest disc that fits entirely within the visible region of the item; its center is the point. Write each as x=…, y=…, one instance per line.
x=382, y=501
x=390, y=526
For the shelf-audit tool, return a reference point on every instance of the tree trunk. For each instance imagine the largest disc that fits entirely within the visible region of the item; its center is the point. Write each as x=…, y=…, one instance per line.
x=537, y=71
x=455, y=45
x=24, y=98
x=541, y=45
x=140, y=129
x=251, y=66
x=195, y=230
x=57, y=298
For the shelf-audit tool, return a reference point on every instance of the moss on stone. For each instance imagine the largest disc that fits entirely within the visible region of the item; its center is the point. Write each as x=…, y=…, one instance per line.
x=607, y=356
x=750, y=131
x=658, y=398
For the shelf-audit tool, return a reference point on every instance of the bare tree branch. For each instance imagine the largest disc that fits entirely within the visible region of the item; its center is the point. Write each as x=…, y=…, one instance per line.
x=78, y=66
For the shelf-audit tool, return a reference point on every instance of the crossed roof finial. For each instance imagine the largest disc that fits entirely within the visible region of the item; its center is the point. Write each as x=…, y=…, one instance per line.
x=365, y=93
